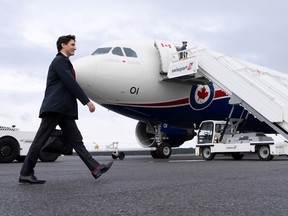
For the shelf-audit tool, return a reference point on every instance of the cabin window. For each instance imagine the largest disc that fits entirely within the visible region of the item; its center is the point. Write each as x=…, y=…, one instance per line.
x=129, y=52
x=102, y=50
x=117, y=51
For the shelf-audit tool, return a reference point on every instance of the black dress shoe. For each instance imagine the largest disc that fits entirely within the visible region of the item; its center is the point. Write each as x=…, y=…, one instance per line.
x=31, y=179
x=102, y=168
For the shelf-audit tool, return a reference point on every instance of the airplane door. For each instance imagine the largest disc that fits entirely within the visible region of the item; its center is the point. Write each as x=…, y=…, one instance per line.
x=166, y=50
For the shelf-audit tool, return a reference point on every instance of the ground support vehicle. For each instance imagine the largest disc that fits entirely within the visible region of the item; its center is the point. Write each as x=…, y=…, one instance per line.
x=116, y=152
x=14, y=145
x=220, y=137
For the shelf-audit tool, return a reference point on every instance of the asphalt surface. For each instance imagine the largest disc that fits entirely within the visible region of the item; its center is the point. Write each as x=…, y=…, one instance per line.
x=140, y=185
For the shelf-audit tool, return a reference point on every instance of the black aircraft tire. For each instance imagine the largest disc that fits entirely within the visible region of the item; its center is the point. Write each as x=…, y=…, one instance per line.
x=164, y=150
x=154, y=154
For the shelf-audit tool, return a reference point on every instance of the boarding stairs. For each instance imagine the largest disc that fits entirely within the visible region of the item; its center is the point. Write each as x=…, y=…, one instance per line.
x=262, y=91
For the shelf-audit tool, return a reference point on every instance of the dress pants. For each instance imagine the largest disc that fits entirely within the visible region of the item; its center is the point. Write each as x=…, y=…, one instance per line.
x=71, y=135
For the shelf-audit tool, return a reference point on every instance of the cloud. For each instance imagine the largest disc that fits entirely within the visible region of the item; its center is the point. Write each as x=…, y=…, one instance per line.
x=20, y=97
x=14, y=81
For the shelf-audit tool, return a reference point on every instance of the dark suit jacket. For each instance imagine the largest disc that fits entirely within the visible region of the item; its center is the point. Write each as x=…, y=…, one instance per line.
x=62, y=90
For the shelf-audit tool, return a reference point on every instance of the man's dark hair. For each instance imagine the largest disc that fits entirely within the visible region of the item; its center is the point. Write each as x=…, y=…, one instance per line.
x=64, y=39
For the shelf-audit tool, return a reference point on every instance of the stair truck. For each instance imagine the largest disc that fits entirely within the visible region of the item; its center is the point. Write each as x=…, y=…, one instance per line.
x=222, y=137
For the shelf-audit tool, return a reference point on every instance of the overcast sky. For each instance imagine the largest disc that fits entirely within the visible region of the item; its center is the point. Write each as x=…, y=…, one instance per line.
x=253, y=30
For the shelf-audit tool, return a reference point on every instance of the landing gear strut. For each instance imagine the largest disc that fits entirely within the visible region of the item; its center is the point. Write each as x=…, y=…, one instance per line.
x=163, y=149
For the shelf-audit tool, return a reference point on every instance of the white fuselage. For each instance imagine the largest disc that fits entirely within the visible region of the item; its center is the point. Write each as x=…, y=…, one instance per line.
x=133, y=86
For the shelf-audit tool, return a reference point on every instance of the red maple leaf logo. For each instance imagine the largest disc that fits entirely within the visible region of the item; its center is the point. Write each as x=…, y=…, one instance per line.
x=202, y=94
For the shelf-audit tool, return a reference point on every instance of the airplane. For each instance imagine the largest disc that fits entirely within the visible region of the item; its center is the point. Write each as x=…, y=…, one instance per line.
x=129, y=78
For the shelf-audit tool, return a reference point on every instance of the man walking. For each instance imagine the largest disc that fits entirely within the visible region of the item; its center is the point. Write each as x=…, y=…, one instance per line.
x=59, y=107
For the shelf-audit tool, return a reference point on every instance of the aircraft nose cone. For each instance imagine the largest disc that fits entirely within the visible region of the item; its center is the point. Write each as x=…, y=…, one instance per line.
x=85, y=69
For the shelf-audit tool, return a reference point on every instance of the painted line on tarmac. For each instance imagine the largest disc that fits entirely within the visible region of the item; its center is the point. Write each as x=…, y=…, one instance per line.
x=185, y=161
x=177, y=161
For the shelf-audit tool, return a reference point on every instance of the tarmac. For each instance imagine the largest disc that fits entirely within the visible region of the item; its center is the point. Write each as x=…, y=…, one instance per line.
x=141, y=185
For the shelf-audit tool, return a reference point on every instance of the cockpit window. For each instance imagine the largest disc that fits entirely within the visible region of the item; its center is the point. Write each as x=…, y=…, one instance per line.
x=117, y=51
x=129, y=52
x=102, y=50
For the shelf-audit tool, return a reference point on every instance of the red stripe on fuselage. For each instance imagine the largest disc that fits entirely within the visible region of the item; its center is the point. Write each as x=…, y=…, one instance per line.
x=218, y=94
x=169, y=103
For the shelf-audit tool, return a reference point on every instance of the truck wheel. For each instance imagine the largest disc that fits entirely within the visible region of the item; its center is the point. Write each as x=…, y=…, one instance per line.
x=48, y=157
x=9, y=150
x=206, y=153
x=264, y=153
x=237, y=156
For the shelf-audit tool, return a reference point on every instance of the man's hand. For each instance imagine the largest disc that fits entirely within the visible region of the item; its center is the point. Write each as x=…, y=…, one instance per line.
x=91, y=106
